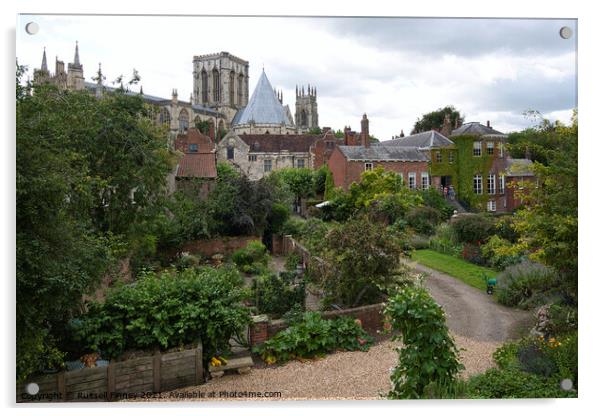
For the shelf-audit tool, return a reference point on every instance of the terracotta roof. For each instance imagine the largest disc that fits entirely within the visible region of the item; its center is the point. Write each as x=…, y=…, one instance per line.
x=275, y=143
x=194, y=136
x=197, y=165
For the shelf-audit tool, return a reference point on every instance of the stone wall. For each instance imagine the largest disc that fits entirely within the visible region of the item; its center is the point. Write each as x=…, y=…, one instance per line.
x=224, y=245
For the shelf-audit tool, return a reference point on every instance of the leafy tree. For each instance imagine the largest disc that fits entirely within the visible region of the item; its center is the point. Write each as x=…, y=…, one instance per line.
x=300, y=181
x=359, y=262
x=315, y=130
x=203, y=126
x=548, y=225
x=435, y=119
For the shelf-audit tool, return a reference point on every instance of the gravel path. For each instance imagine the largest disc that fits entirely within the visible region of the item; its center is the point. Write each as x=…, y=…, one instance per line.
x=471, y=312
x=477, y=323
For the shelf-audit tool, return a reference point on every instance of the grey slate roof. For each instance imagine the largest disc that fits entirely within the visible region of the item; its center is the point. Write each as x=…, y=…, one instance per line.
x=424, y=140
x=475, y=128
x=263, y=107
x=519, y=167
x=383, y=152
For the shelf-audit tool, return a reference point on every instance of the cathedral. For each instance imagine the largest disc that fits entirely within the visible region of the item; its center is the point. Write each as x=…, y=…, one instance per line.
x=219, y=100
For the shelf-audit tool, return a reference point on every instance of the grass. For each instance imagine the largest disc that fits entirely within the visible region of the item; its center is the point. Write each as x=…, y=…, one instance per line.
x=469, y=273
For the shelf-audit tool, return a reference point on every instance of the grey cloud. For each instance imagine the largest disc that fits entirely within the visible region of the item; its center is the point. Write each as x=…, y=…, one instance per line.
x=462, y=37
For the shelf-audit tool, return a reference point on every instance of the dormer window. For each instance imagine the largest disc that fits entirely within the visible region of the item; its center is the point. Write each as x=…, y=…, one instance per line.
x=193, y=148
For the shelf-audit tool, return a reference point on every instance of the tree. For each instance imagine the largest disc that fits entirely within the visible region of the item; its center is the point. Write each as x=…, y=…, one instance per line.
x=435, y=119
x=203, y=126
x=90, y=174
x=548, y=224
x=315, y=130
x=359, y=262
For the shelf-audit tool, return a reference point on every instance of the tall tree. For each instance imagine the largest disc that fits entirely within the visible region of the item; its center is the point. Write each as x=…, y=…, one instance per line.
x=435, y=119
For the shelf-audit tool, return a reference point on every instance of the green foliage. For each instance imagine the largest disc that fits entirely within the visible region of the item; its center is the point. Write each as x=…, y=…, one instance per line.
x=428, y=355
x=328, y=185
x=293, y=226
x=319, y=180
x=274, y=295
x=526, y=284
x=514, y=384
x=312, y=233
x=360, y=260
x=165, y=310
x=292, y=261
x=506, y=356
x=277, y=217
x=433, y=198
x=203, y=126
x=504, y=228
x=311, y=336
x=315, y=130
x=423, y=219
x=89, y=174
x=300, y=181
x=500, y=253
x=444, y=241
x=562, y=319
x=473, y=228
x=434, y=120
x=251, y=259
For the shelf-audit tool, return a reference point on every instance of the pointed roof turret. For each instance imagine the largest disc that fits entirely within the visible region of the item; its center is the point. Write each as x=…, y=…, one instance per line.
x=44, y=66
x=264, y=106
x=76, y=58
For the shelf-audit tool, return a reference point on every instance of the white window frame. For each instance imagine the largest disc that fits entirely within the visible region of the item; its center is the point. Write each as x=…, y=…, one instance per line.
x=438, y=157
x=423, y=176
x=477, y=148
x=412, y=180
x=491, y=205
x=266, y=163
x=451, y=157
x=491, y=184
x=502, y=180
x=368, y=166
x=252, y=158
x=477, y=184
x=490, y=148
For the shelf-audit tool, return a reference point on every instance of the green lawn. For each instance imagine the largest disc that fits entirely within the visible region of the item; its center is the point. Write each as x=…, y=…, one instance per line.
x=469, y=273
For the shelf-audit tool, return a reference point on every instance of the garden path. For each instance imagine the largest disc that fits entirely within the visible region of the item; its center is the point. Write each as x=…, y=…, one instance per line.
x=471, y=312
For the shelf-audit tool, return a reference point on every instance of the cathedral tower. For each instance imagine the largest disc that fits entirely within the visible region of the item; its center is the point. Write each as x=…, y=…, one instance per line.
x=306, y=109
x=75, y=72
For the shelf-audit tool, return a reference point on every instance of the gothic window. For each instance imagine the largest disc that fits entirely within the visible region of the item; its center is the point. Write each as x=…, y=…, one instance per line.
x=164, y=118
x=204, y=86
x=230, y=153
x=240, y=89
x=231, y=88
x=183, y=121
x=303, y=118
x=216, y=86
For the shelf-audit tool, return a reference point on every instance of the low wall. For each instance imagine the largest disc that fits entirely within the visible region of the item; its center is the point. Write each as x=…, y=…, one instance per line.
x=224, y=245
x=371, y=316
x=119, y=380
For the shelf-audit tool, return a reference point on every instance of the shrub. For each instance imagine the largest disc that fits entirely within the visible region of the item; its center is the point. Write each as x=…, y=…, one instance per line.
x=433, y=198
x=292, y=226
x=313, y=336
x=419, y=242
x=504, y=228
x=444, y=241
x=277, y=217
x=500, y=253
x=506, y=356
x=423, y=219
x=166, y=310
x=514, y=383
x=275, y=296
x=251, y=259
x=532, y=358
x=562, y=319
x=563, y=351
x=473, y=228
x=292, y=261
x=428, y=355
x=524, y=284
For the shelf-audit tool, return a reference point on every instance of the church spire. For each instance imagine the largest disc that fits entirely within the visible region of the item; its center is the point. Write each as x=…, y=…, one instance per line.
x=76, y=58
x=44, y=63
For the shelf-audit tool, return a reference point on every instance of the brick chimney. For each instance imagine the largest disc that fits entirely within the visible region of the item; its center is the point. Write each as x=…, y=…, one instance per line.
x=365, y=134
x=347, y=134
x=446, y=129
x=488, y=124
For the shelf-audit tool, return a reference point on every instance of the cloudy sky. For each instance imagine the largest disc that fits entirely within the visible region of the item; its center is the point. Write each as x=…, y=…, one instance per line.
x=393, y=69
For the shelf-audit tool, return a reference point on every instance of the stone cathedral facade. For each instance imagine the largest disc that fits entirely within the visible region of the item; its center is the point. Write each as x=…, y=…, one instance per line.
x=306, y=109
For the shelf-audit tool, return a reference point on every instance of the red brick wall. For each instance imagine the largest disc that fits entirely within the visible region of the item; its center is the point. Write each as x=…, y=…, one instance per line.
x=345, y=172
x=371, y=316
x=225, y=245
x=512, y=189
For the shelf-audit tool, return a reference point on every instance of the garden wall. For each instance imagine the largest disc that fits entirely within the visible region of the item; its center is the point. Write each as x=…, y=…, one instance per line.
x=224, y=245
x=371, y=316
x=120, y=379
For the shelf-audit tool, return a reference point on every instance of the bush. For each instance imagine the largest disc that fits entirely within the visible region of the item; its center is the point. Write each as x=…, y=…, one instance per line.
x=506, y=356
x=251, y=259
x=274, y=295
x=292, y=261
x=312, y=336
x=524, y=284
x=504, y=228
x=419, y=242
x=423, y=219
x=562, y=319
x=277, y=217
x=514, y=383
x=473, y=228
x=444, y=241
x=428, y=356
x=293, y=226
x=433, y=198
x=166, y=310
x=500, y=253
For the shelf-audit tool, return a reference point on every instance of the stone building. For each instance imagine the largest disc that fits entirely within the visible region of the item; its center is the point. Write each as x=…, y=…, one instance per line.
x=306, y=108
x=72, y=79
x=264, y=113
x=221, y=82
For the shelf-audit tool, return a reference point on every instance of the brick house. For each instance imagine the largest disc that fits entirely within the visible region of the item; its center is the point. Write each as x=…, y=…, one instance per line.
x=519, y=174
x=196, y=168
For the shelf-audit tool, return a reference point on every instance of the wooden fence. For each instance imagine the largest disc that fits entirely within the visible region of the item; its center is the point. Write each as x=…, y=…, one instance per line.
x=119, y=380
